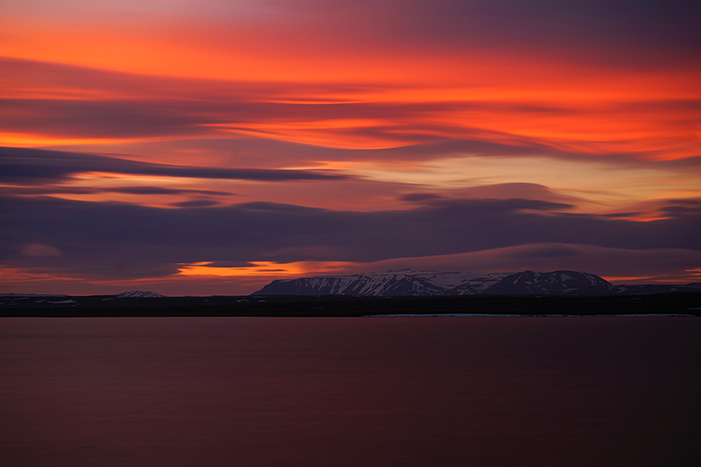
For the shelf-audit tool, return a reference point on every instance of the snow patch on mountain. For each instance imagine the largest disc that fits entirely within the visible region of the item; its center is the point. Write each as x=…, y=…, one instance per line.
x=139, y=294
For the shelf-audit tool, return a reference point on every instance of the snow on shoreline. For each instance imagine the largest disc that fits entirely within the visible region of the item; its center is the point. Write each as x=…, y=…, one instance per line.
x=495, y=315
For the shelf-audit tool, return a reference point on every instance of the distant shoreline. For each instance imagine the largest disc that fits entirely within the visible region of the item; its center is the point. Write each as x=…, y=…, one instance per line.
x=493, y=315
x=669, y=304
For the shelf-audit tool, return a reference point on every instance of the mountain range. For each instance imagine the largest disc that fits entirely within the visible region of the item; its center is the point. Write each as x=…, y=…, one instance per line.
x=407, y=282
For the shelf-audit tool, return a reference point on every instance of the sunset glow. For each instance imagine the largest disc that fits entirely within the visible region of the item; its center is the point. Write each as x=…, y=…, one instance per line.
x=213, y=144
x=265, y=269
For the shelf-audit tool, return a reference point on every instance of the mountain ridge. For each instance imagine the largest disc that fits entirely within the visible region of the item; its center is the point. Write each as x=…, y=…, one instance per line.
x=414, y=283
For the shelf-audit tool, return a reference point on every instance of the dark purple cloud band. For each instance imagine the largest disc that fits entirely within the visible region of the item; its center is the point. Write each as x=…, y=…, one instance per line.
x=92, y=237
x=19, y=165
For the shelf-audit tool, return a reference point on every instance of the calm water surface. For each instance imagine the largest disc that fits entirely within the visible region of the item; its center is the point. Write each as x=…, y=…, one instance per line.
x=350, y=392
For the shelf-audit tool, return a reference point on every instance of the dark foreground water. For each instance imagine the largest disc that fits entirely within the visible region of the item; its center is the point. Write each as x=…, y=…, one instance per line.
x=350, y=392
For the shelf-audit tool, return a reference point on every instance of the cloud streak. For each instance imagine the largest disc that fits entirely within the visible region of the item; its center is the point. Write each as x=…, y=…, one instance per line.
x=18, y=165
x=654, y=119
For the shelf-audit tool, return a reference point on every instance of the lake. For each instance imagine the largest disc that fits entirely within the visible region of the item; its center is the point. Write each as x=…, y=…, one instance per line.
x=604, y=391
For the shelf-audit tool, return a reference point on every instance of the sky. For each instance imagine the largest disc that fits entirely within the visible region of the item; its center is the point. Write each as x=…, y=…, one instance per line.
x=211, y=146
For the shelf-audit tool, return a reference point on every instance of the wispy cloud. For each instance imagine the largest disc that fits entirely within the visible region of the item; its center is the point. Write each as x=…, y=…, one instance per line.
x=30, y=164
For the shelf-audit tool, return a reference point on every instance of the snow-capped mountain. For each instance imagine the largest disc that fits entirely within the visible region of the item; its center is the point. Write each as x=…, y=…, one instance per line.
x=551, y=283
x=139, y=294
x=412, y=283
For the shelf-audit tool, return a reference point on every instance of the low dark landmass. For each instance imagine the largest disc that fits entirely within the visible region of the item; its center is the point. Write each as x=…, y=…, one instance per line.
x=676, y=303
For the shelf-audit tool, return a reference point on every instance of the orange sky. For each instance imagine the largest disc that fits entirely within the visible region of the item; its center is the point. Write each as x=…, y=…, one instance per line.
x=596, y=110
